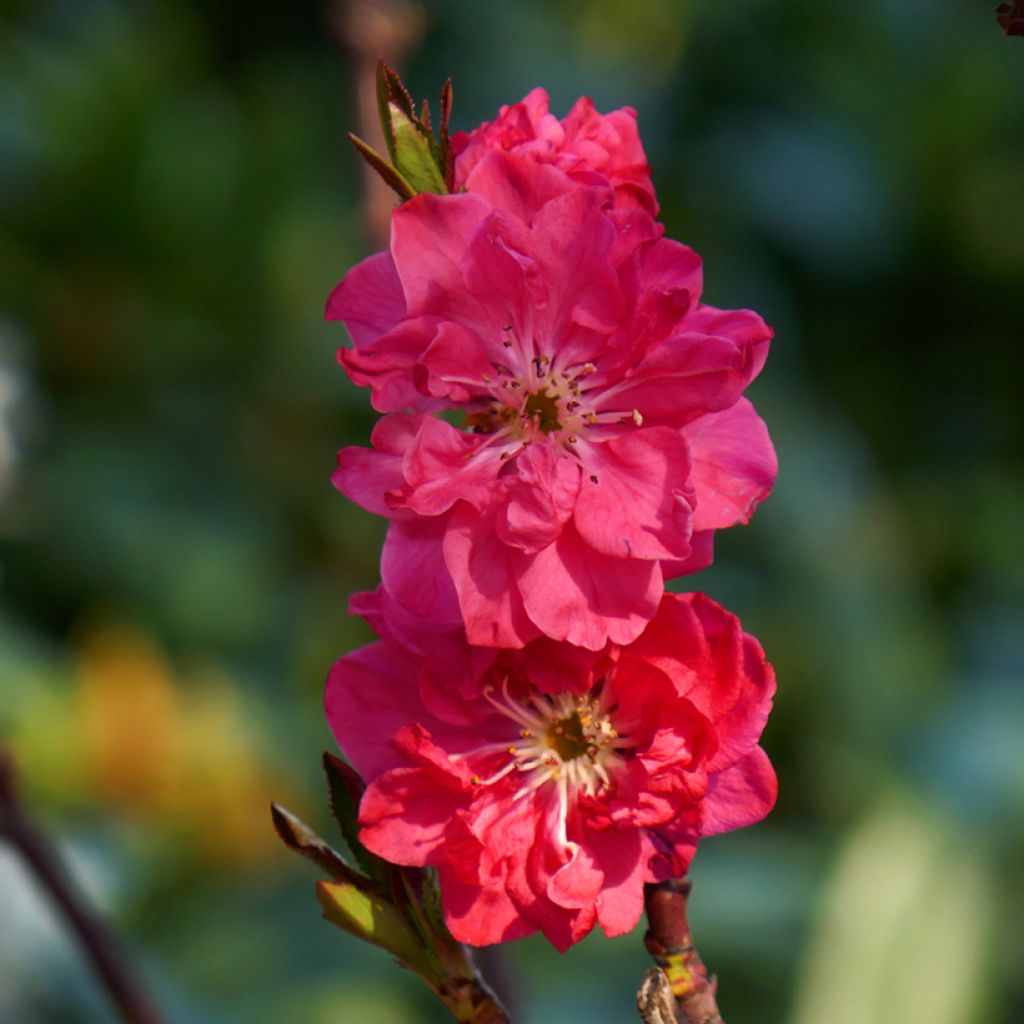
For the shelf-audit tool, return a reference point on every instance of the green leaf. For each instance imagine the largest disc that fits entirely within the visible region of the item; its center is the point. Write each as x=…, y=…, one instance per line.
x=298, y=836
x=370, y=917
x=345, y=790
x=390, y=174
x=391, y=89
x=383, y=98
x=416, y=155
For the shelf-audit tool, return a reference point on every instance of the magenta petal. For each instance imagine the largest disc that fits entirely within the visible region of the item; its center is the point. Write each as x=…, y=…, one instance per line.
x=450, y=668
x=413, y=571
x=480, y=915
x=387, y=365
x=741, y=795
x=553, y=666
x=542, y=496
x=443, y=465
x=621, y=900
x=571, y=240
x=370, y=695
x=369, y=299
x=740, y=717
x=457, y=365
x=702, y=554
x=743, y=326
x=405, y=813
x=578, y=882
x=633, y=502
x=733, y=465
x=516, y=185
x=366, y=476
x=429, y=237
x=579, y=595
x=484, y=572
x=681, y=378
x=670, y=267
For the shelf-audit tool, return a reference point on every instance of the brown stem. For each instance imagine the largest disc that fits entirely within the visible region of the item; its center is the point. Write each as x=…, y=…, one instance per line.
x=370, y=30
x=97, y=944
x=471, y=1001
x=670, y=942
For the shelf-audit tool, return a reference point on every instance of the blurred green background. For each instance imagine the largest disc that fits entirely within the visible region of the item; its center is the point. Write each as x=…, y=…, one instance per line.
x=177, y=198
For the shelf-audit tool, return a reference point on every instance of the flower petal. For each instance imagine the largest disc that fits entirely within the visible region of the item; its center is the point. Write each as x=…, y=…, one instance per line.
x=517, y=185
x=369, y=299
x=733, y=465
x=368, y=475
x=387, y=365
x=542, y=496
x=634, y=502
x=621, y=900
x=574, y=593
x=368, y=699
x=741, y=795
x=484, y=572
x=443, y=465
x=413, y=571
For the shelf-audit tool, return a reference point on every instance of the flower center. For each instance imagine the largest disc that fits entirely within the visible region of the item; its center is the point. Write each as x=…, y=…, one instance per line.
x=566, y=738
x=543, y=409
x=531, y=400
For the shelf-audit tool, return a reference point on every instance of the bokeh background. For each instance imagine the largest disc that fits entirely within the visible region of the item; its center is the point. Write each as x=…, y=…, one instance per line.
x=177, y=198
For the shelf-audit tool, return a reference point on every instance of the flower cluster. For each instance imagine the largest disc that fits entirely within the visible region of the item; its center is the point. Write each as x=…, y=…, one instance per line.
x=563, y=428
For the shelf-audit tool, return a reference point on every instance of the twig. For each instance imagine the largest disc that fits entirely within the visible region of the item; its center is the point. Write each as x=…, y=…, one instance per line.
x=370, y=30
x=655, y=999
x=97, y=944
x=670, y=943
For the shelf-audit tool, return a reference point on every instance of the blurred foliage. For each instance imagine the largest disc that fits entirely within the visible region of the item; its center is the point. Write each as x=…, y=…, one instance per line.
x=177, y=198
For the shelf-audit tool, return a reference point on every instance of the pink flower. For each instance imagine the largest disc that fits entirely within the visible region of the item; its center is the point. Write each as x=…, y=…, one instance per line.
x=561, y=780
x=591, y=148
x=604, y=435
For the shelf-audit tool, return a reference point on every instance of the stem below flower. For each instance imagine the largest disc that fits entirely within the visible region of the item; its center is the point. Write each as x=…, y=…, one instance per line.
x=471, y=1001
x=96, y=943
x=460, y=985
x=670, y=942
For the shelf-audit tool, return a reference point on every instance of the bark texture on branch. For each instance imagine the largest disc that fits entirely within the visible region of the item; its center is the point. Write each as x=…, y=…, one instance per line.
x=670, y=942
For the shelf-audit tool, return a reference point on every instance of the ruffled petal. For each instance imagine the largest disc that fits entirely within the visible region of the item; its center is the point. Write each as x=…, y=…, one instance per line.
x=387, y=366
x=541, y=498
x=370, y=696
x=733, y=465
x=369, y=299
x=517, y=185
x=484, y=572
x=634, y=502
x=572, y=592
x=621, y=899
x=369, y=475
x=413, y=570
x=741, y=795
x=679, y=379
x=480, y=915
x=443, y=465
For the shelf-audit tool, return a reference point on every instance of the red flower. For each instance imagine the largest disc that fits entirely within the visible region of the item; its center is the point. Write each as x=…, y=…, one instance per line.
x=604, y=437
x=548, y=784
x=591, y=148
